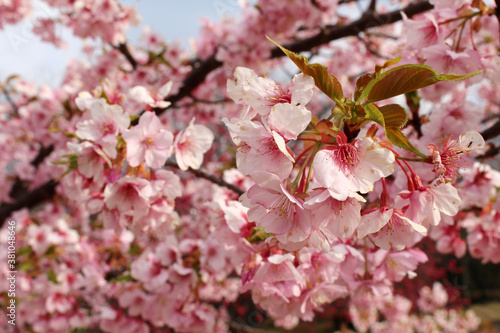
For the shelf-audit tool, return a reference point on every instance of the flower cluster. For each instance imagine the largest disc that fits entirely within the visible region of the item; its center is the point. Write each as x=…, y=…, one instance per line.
x=165, y=189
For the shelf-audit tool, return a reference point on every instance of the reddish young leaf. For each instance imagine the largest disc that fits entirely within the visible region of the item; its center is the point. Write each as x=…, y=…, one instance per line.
x=403, y=79
x=325, y=81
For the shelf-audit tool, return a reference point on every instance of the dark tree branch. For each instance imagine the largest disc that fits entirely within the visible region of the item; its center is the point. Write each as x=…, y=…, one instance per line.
x=13, y=105
x=372, y=6
x=371, y=50
x=373, y=20
x=123, y=48
x=330, y=33
x=28, y=200
x=42, y=154
x=19, y=187
x=206, y=101
x=212, y=178
x=491, y=152
x=491, y=132
x=497, y=11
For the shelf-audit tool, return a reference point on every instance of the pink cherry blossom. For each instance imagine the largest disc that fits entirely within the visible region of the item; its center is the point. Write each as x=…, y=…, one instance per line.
x=148, y=142
x=105, y=122
x=140, y=94
x=129, y=195
x=259, y=150
x=334, y=218
x=389, y=228
x=447, y=162
x=190, y=145
x=357, y=165
x=262, y=93
x=274, y=208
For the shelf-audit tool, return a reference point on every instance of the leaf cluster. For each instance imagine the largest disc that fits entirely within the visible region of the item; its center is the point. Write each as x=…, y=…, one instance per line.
x=373, y=87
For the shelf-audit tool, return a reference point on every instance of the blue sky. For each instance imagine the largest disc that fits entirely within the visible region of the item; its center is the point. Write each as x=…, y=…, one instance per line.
x=23, y=53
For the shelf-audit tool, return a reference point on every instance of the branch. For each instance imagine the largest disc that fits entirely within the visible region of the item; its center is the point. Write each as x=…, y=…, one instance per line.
x=123, y=48
x=206, y=101
x=491, y=152
x=497, y=10
x=372, y=6
x=28, y=200
x=13, y=105
x=213, y=179
x=491, y=132
x=330, y=33
x=371, y=50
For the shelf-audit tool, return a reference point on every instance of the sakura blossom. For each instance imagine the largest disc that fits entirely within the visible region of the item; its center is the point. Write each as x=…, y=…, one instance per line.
x=357, y=165
x=148, y=142
x=298, y=164
x=105, y=123
x=190, y=145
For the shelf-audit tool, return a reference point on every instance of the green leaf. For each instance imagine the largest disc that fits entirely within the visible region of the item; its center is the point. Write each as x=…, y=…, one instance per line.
x=391, y=62
x=397, y=138
x=122, y=278
x=258, y=235
x=402, y=79
x=26, y=266
x=134, y=249
x=373, y=113
x=24, y=250
x=394, y=115
x=388, y=63
x=325, y=81
x=51, y=276
x=361, y=84
x=71, y=161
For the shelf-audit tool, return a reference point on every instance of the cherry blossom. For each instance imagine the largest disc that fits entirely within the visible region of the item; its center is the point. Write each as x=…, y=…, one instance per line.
x=105, y=123
x=190, y=145
x=141, y=95
x=357, y=165
x=148, y=142
x=447, y=162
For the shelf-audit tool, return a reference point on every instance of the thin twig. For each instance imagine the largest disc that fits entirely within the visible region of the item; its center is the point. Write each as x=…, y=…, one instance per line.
x=206, y=101
x=123, y=48
x=491, y=132
x=13, y=105
x=371, y=50
x=212, y=178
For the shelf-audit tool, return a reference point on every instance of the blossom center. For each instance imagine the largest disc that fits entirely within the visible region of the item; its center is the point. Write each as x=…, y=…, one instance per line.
x=279, y=96
x=346, y=156
x=148, y=142
x=281, y=207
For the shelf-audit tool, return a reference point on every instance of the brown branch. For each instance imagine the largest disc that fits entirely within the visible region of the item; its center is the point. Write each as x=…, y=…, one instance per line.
x=491, y=132
x=372, y=6
x=371, y=50
x=13, y=105
x=123, y=48
x=212, y=178
x=330, y=33
x=206, y=101
x=491, y=152
x=497, y=10
x=28, y=200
